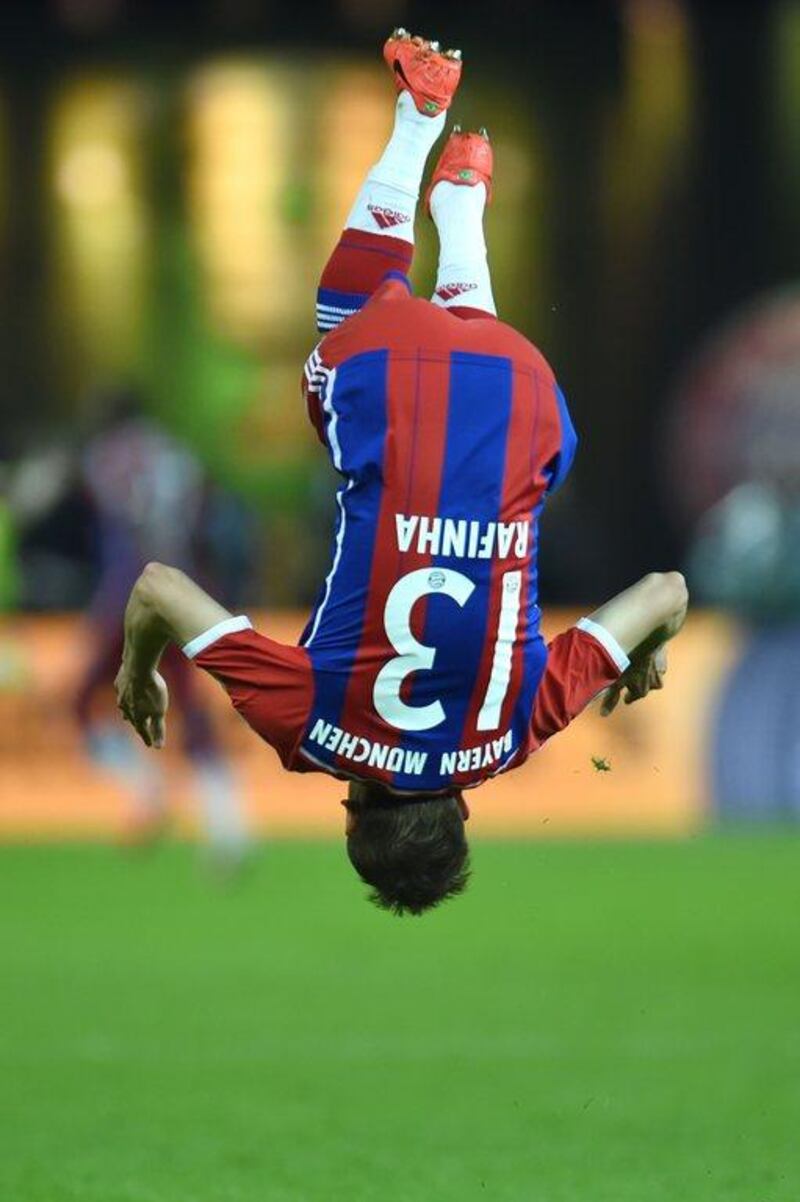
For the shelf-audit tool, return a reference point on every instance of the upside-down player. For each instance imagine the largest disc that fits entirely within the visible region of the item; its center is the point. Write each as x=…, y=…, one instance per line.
x=422, y=671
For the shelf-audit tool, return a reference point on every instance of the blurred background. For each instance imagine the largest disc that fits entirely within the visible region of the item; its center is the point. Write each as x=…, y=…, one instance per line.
x=172, y=178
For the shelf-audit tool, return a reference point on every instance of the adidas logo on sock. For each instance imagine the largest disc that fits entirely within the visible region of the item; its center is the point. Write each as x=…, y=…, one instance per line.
x=386, y=218
x=450, y=291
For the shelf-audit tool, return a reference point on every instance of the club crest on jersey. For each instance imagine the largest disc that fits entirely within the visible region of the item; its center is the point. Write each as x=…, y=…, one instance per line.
x=448, y=292
x=386, y=218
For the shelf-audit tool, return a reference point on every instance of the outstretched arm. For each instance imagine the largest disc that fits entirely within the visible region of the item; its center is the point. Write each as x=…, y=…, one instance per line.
x=164, y=606
x=643, y=619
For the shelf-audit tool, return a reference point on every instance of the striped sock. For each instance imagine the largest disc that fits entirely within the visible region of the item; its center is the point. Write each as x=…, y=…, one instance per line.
x=357, y=267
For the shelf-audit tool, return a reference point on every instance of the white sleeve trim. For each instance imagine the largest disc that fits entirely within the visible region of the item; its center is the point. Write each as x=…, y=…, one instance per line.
x=607, y=639
x=226, y=626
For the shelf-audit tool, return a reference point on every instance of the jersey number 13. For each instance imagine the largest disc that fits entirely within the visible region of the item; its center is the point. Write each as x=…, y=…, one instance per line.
x=413, y=656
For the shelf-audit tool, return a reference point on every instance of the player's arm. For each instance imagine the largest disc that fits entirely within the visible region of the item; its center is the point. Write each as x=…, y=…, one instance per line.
x=164, y=606
x=643, y=619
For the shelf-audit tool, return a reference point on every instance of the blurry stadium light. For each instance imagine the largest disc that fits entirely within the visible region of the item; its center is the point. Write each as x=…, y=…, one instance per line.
x=649, y=135
x=100, y=226
x=647, y=155
x=354, y=123
x=239, y=156
x=92, y=175
x=785, y=79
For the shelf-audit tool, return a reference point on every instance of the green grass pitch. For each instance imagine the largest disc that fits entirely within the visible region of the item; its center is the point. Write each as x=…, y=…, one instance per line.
x=613, y=1022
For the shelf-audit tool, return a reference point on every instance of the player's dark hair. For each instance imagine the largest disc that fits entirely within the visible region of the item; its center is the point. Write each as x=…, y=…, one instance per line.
x=414, y=854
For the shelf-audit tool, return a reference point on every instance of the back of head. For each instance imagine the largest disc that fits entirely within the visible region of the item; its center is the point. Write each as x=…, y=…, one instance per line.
x=413, y=853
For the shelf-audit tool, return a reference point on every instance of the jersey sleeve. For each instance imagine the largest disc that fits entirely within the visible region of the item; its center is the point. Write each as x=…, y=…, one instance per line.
x=270, y=684
x=568, y=443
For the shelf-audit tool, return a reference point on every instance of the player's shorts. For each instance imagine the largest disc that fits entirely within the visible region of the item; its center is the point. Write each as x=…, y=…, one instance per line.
x=272, y=685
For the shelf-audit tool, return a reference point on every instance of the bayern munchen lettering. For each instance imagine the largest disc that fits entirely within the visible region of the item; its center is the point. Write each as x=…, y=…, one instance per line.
x=469, y=759
x=359, y=750
x=462, y=538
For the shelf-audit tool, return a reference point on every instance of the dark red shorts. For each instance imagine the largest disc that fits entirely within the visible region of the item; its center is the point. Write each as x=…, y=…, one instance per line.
x=272, y=685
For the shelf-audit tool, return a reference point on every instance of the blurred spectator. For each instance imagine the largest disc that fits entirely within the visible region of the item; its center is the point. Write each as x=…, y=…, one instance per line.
x=133, y=494
x=746, y=556
x=147, y=492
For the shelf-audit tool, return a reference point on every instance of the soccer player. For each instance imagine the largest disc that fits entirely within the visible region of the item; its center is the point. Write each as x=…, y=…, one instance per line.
x=147, y=494
x=421, y=672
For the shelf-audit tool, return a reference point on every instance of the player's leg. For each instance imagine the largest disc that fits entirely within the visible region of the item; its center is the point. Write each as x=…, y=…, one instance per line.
x=457, y=198
x=379, y=232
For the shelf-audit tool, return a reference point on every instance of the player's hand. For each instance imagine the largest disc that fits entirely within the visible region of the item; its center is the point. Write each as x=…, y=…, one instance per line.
x=645, y=672
x=143, y=703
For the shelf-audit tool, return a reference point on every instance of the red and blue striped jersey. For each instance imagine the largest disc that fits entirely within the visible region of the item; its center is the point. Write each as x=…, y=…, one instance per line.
x=424, y=643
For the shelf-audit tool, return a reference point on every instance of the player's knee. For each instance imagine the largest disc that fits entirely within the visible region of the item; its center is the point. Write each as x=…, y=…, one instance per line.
x=414, y=854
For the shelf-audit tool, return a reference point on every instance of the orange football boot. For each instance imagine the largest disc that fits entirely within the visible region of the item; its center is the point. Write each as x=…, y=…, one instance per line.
x=421, y=68
x=466, y=159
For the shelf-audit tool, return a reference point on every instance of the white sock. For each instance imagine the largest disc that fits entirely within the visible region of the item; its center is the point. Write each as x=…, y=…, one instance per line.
x=387, y=202
x=138, y=774
x=463, y=275
x=221, y=805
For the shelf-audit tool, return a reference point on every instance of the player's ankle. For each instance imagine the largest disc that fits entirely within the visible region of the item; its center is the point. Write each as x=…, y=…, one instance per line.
x=402, y=163
x=414, y=128
x=407, y=114
x=449, y=195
